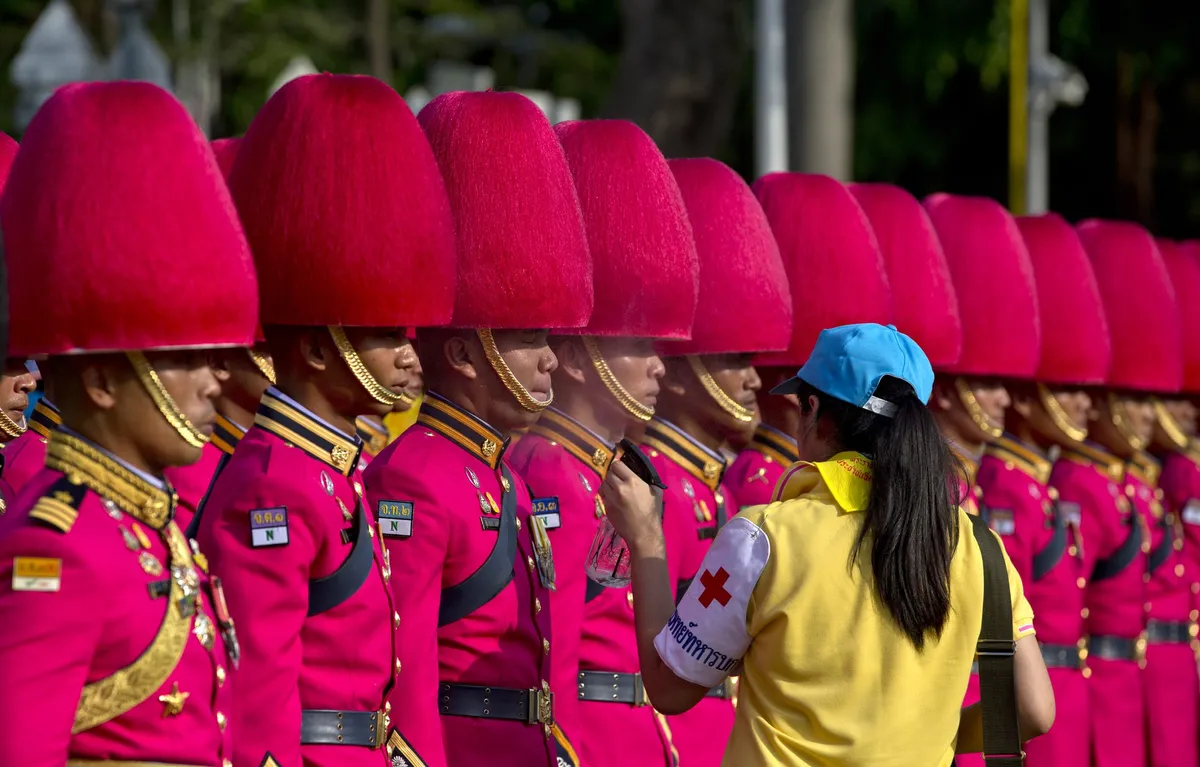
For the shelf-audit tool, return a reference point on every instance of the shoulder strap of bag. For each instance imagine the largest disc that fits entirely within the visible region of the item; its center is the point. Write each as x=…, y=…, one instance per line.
x=996, y=648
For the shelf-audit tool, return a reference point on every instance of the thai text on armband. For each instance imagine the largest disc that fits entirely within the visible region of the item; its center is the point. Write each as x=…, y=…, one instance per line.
x=697, y=648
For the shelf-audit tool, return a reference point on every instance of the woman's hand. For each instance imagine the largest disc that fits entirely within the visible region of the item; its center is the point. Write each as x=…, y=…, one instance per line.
x=632, y=507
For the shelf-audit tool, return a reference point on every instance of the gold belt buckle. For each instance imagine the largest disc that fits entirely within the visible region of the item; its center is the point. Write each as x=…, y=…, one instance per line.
x=1139, y=650
x=383, y=721
x=640, y=698
x=541, y=706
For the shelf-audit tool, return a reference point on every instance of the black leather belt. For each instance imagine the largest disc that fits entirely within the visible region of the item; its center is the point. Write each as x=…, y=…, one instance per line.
x=1117, y=648
x=531, y=706
x=1169, y=632
x=618, y=687
x=1062, y=656
x=725, y=690
x=344, y=728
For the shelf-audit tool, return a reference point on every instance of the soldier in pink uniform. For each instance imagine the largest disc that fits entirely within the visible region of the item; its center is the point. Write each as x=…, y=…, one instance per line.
x=364, y=205
x=1113, y=483
x=708, y=396
x=117, y=644
x=811, y=217
x=474, y=568
x=607, y=381
x=25, y=456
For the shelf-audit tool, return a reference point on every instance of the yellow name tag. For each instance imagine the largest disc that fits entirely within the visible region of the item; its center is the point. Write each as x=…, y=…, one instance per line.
x=36, y=574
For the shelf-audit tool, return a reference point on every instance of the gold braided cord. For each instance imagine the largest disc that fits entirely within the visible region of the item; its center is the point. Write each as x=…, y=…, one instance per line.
x=378, y=391
x=1120, y=419
x=1169, y=425
x=631, y=405
x=723, y=400
x=975, y=410
x=1059, y=416
x=164, y=401
x=264, y=365
x=86, y=465
x=10, y=427
x=515, y=387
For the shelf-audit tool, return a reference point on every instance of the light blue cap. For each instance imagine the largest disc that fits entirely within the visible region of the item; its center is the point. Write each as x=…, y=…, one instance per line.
x=849, y=361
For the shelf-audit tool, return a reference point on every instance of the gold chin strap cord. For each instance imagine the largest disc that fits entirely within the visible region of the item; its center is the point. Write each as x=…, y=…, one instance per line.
x=264, y=365
x=164, y=401
x=631, y=405
x=975, y=410
x=1169, y=425
x=515, y=387
x=11, y=428
x=378, y=391
x=723, y=400
x=1120, y=419
x=1059, y=416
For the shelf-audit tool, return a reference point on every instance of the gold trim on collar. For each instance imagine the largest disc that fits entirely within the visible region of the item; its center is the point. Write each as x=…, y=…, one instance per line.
x=373, y=435
x=698, y=460
x=1092, y=455
x=576, y=439
x=464, y=429
x=86, y=465
x=300, y=429
x=1012, y=451
x=46, y=418
x=1146, y=468
x=775, y=445
x=227, y=434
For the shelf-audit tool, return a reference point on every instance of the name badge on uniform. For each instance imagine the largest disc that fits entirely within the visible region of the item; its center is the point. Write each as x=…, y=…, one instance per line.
x=1191, y=512
x=541, y=551
x=1070, y=512
x=1001, y=521
x=547, y=510
x=36, y=574
x=395, y=518
x=269, y=527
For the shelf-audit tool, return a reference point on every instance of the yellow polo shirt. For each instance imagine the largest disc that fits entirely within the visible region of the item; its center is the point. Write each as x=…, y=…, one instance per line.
x=827, y=677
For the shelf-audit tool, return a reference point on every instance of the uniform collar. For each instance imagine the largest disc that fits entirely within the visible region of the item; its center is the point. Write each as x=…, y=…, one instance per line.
x=775, y=445
x=1145, y=467
x=373, y=435
x=300, y=427
x=146, y=498
x=45, y=419
x=577, y=439
x=464, y=429
x=227, y=434
x=846, y=477
x=703, y=464
x=1091, y=454
x=1025, y=457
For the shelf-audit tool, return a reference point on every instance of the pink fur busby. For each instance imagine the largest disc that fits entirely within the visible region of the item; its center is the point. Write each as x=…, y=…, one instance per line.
x=744, y=303
x=922, y=290
x=993, y=279
x=225, y=150
x=1139, y=301
x=1183, y=262
x=824, y=238
x=8, y=152
x=344, y=208
x=115, y=207
x=644, y=261
x=1076, y=348
x=523, y=259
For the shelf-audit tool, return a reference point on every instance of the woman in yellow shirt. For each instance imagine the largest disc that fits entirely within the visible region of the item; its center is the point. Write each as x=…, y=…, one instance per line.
x=851, y=605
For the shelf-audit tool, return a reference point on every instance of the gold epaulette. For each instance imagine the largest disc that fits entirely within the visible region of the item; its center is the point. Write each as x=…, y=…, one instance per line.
x=59, y=507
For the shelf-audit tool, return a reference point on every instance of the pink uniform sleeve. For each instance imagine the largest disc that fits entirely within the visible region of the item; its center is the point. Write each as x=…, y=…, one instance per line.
x=417, y=565
x=46, y=644
x=267, y=592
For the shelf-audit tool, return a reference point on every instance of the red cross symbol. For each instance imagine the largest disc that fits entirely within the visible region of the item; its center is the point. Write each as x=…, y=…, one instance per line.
x=714, y=588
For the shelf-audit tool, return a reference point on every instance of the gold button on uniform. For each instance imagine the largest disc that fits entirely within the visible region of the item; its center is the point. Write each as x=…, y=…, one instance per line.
x=396, y=620
x=221, y=721
x=1053, y=493
x=226, y=763
x=220, y=676
x=546, y=646
x=537, y=605
x=518, y=524
x=397, y=665
x=1083, y=613
x=629, y=598
x=529, y=563
x=1072, y=550
x=1178, y=571
x=1081, y=582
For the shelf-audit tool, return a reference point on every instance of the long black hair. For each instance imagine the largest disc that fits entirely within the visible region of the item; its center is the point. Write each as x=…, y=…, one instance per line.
x=911, y=520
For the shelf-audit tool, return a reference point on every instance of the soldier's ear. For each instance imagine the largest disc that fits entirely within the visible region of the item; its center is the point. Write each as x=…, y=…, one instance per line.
x=218, y=361
x=678, y=372
x=99, y=379
x=573, y=359
x=464, y=355
x=317, y=349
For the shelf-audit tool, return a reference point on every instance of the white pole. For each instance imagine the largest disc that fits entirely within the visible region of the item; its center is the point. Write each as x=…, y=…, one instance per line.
x=770, y=88
x=1037, y=178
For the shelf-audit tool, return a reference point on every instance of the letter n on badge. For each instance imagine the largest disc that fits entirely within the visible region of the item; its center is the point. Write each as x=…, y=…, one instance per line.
x=36, y=574
x=395, y=518
x=269, y=527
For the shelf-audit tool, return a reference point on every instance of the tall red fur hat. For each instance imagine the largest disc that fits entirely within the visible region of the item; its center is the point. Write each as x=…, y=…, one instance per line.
x=744, y=303
x=225, y=150
x=1076, y=348
x=523, y=259
x=1143, y=317
x=116, y=208
x=823, y=236
x=993, y=279
x=345, y=208
x=8, y=152
x=922, y=289
x=1183, y=262
x=646, y=271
